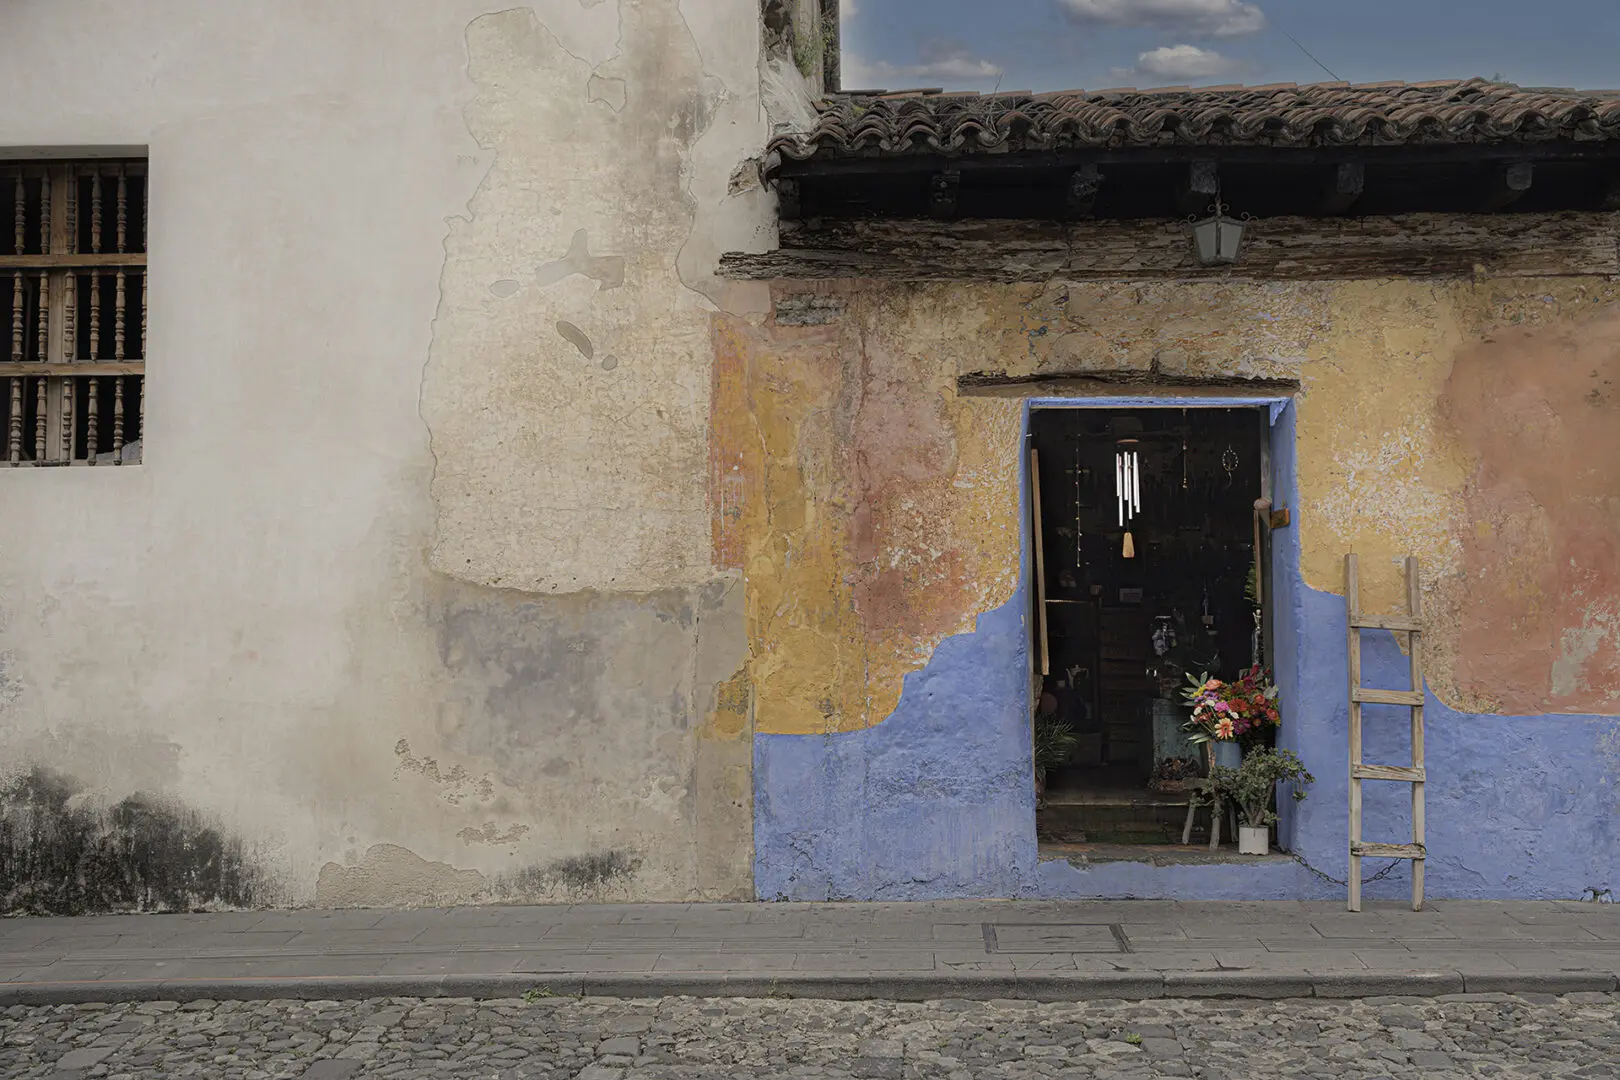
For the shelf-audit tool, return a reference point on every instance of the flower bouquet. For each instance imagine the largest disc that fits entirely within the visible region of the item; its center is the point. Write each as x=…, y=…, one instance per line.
x=1226, y=711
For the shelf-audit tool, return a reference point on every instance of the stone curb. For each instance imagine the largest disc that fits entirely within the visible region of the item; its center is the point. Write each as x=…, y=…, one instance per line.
x=1043, y=986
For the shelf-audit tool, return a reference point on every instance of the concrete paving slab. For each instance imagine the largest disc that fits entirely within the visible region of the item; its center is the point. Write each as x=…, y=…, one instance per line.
x=479, y=935
x=863, y=961
x=586, y=963
x=291, y=968
x=968, y=960
x=438, y=964
x=722, y=963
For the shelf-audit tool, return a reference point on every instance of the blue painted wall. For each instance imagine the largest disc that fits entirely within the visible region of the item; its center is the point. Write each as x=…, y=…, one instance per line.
x=937, y=800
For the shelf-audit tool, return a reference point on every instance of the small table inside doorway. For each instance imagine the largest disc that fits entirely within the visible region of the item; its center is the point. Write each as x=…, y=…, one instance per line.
x=1220, y=807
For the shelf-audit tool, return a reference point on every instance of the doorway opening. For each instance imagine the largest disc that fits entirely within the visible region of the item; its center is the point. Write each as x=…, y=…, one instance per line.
x=1148, y=553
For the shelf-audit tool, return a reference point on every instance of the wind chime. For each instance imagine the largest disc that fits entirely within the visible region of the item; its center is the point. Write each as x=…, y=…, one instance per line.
x=1127, y=488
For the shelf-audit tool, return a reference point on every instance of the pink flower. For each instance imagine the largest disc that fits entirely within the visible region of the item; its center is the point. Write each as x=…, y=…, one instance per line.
x=1221, y=706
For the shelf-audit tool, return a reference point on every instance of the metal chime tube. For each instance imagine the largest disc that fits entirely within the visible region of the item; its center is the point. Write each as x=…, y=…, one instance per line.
x=1136, y=484
x=1119, y=487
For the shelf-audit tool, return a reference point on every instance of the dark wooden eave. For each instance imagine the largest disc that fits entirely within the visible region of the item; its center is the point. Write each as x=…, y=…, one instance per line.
x=1299, y=248
x=1433, y=179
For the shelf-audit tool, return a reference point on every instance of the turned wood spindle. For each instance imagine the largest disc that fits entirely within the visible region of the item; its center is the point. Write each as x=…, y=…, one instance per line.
x=92, y=421
x=20, y=217
x=67, y=419
x=14, y=447
x=95, y=212
x=16, y=317
x=123, y=213
x=95, y=315
x=70, y=317
x=45, y=217
x=44, y=336
x=73, y=212
x=41, y=415
x=118, y=420
x=120, y=297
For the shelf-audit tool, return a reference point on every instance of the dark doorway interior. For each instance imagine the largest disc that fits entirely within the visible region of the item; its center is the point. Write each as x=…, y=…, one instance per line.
x=1121, y=631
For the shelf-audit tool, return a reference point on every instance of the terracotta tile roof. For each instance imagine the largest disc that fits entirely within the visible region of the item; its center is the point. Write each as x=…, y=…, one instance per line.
x=1286, y=115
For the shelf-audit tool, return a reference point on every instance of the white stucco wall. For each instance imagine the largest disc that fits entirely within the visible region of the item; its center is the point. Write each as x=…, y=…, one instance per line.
x=410, y=598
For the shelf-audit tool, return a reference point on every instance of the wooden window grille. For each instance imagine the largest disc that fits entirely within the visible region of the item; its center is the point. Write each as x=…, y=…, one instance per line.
x=73, y=312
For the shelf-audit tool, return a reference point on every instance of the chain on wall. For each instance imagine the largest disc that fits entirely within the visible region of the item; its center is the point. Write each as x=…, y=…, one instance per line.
x=73, y=296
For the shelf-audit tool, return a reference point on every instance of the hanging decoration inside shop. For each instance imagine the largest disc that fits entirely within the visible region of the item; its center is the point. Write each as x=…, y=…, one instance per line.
x=1127, y=489
x=1229, y=462
x=1079, y=472
x=1164, y=634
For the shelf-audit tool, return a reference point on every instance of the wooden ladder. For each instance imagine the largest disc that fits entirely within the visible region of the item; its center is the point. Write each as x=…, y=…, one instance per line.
x=1411, y=623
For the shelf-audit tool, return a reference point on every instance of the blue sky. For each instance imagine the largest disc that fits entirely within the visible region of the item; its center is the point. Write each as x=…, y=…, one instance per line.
x=1068, y=44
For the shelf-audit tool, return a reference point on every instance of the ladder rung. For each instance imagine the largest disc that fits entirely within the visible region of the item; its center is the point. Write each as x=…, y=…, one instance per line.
x=1386, y=622
x=1367, y=696
x=1411, y=774
x=1388, y=851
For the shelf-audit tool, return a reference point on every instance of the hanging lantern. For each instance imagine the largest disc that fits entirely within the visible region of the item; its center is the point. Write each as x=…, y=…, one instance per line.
x=1217, y=238
x=1127, y=489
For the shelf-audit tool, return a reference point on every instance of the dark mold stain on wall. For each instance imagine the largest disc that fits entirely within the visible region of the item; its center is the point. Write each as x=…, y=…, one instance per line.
x=63, y=855
x=576, y=874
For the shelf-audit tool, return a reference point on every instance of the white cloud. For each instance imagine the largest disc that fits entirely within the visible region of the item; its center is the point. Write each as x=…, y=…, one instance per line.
x=847, y=10
x=1184, y=63
x=952, y=67
x=1215, y=18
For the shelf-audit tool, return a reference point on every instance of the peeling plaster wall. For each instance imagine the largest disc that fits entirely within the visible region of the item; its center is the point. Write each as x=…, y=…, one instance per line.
x=1419, y=429
x=411, y=600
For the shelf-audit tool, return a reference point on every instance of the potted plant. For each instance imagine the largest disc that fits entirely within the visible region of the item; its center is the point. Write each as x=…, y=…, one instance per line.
x=1252, y=784
x=1224, y=712
x=1054, y=742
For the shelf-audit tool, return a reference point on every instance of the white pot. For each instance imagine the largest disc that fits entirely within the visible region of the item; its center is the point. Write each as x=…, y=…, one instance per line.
x=1252, y=841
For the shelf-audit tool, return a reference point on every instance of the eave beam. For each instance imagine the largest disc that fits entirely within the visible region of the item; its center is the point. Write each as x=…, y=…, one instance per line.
x=943, y=188
x=1080, y=198
x=1199, y=189
x=1506, y=186
x=1343, y=188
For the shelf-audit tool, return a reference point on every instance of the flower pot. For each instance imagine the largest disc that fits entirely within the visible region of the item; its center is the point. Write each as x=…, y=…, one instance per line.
x=1252, y=841
x=1228, y=753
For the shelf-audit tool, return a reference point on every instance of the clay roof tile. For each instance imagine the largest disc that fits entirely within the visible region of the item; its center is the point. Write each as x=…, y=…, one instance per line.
x=1472, y=111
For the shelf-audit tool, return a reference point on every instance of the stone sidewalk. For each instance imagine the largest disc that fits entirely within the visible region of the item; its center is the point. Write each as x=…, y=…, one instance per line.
x=1047, y=950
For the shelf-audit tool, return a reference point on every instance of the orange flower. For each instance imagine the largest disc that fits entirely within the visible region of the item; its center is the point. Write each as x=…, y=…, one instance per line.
x=1223, y=728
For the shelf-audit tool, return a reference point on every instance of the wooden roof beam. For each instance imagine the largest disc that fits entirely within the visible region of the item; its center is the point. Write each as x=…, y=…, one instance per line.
x=1611, y=194
x=1506, y=186
x=1080, y=198
x=1343, y=188
x=943, y=188
x=1199, y=189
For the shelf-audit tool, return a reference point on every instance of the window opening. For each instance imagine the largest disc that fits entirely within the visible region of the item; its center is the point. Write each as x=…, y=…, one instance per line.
x=73, y=300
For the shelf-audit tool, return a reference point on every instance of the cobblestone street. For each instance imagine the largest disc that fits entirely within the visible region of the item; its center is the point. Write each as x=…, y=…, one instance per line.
x=602, y=1039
